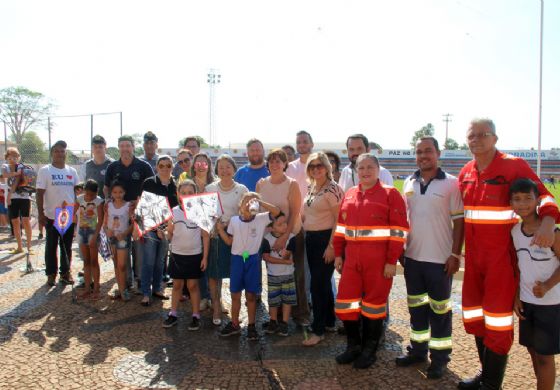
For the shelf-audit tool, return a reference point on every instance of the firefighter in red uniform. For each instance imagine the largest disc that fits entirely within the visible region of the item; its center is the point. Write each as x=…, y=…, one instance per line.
x=490, y=279
x=371, y=233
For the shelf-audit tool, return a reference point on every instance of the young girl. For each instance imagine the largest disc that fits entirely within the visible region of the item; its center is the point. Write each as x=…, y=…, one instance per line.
x=118, y=227
x=91, y=214
x=189, y=257
x=244, y=234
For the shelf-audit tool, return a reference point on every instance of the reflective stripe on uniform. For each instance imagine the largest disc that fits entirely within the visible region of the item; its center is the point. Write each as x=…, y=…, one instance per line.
x=417, y=300
x=347, y=306
x=420, y=336
x=546, y=199
x=489, y=215
x=373, y=311
x=440, y=307
x=372, y=233
x=440, y=343
x=498, y=321
x=471, y=314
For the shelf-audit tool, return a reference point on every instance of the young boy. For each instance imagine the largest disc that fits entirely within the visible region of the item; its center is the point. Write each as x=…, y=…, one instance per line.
x=280, y=270
x=538, y=301
x=245, y=233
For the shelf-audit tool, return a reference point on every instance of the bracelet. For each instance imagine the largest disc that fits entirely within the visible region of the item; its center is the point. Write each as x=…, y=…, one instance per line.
x=458, y=257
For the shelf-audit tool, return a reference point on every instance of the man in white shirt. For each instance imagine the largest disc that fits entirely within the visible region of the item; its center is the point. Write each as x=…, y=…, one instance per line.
x=296, y=170
x=357, y=144
x=55, y=188
x=432, y=256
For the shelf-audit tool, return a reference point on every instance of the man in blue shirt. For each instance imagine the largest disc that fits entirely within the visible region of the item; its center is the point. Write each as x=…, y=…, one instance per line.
x=250, y=174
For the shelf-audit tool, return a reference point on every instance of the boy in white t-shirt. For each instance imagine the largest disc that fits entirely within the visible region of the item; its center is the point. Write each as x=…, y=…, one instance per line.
x=245, y=233
x=538, y=299
x=280, y=272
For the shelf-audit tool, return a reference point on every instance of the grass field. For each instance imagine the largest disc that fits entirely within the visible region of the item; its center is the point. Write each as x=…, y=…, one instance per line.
x=555, y=191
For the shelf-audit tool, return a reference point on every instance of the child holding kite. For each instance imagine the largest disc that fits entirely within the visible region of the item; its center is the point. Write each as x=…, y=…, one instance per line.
x=245, y=233
x=189, y=257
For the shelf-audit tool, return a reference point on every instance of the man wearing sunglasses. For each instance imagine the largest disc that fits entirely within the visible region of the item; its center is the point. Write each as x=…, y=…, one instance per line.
x=183, y=165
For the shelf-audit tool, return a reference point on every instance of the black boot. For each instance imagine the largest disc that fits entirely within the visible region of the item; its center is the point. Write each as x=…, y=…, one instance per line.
x=372, y=330
x=354, y=343
x=474, y=383
x=493, y=370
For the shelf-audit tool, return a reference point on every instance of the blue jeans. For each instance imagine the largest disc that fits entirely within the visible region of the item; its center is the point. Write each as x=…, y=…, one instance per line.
x=152, y=263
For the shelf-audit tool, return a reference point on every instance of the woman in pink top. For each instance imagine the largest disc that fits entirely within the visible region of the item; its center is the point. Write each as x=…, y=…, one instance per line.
x=320, y=212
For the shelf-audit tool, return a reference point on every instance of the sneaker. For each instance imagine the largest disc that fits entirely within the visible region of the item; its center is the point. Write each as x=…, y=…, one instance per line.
x=81, y=283
x=230, y=329
x=66, y=279
x=170, y=321
x=125, y=296
x=271, y=328
x=217, y=321
x=51, y=280
x=195, y=324
x=408, y=359
x=252, y=332
x=283, y=329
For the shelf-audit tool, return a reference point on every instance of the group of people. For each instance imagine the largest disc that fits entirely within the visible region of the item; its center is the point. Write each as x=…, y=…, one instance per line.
x=305, y=217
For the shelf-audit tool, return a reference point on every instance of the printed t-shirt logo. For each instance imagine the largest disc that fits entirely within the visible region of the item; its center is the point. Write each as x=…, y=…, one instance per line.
x=136, y=175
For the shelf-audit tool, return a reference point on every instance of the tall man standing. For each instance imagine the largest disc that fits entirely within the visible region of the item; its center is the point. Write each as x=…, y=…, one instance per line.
x=357, y=144
x=55, y=188
x=96, y=167
x=490, y=282
x=432, y=256
x=297, y=171
x=132, y=172
x=251, y=173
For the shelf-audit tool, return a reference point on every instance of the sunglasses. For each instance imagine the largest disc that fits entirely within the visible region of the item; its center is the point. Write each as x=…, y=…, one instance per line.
x=184, y=161
x=315, y=166
x=201, y=164
x=168, y=166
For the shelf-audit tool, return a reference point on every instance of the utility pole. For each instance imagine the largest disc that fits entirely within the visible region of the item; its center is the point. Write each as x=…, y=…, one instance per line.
x=447, y=119
x=213, y=78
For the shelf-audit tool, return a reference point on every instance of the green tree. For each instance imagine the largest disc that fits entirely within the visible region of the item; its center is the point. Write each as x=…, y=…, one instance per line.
x=22, y=109
x=32, y=149
x=426, y=131
x=138, y=144
x=451, y=144
x=464, y=147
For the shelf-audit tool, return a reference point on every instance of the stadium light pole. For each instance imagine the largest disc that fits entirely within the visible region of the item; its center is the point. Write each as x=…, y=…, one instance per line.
x=213, y=78
x=540, y=91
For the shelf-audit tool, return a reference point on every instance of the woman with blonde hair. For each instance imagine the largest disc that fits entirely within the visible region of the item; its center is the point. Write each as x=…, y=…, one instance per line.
x=320, y=210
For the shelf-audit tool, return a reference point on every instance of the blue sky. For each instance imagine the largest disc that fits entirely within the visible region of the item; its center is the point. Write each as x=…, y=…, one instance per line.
x=384, y=68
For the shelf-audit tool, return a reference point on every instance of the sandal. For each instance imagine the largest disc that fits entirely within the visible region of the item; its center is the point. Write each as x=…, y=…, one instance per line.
x=145, y=301
x=15, y=251
x=115, y=296
x=313, y=340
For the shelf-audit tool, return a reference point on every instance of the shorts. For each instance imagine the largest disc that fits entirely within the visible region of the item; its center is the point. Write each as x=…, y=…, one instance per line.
x=245, y=275
x=84, y=235
x=541, y=328
x=19, y=208
x=123, y=244
x=185, y=266
x=219, y=258
x=3, y=209
x=281, y=290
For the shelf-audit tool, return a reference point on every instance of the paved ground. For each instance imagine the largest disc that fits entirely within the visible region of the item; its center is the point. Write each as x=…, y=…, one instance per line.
x=47, y=341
